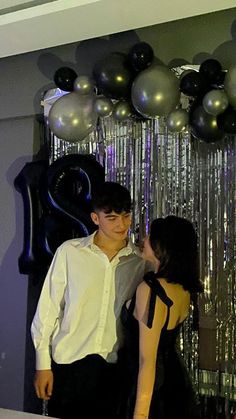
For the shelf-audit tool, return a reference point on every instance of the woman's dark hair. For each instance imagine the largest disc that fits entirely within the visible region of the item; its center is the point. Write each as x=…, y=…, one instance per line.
x=111, y=196
x=174, y=242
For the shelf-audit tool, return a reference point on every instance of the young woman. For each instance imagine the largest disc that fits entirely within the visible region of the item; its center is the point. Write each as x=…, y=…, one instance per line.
x=159, y=382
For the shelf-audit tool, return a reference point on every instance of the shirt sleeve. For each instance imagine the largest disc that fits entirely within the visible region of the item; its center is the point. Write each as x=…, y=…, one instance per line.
x=49, y=309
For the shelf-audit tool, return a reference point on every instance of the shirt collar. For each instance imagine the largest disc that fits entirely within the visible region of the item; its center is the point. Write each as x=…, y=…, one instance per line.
x=131, y=248
x=89, y=240
x=127, y=250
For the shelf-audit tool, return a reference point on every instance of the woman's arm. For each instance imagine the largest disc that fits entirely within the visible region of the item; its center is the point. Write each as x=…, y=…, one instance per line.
x=148, y=347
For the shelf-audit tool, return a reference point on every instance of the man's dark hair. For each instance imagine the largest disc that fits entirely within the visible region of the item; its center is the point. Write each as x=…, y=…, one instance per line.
x=111, y=196
x=174, y=242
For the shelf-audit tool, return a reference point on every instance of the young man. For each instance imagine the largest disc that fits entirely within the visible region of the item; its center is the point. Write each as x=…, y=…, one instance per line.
x=76, y=329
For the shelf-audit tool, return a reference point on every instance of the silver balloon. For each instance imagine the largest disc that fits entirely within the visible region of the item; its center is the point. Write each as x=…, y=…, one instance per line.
x=155, y=91
x=215, y=102
x=177, y=120
x=230, y=85
x=122, y=110
x=103, y=106
x=72, y=117
x=83, y=85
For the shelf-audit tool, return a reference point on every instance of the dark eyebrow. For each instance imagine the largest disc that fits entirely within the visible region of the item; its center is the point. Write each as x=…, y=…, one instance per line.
x=117, y=215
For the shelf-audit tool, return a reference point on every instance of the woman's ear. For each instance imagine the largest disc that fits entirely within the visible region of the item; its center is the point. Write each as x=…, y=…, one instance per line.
x=95, y=218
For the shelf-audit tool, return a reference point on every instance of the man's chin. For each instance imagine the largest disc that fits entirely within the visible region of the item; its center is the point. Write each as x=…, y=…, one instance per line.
x=121, y=235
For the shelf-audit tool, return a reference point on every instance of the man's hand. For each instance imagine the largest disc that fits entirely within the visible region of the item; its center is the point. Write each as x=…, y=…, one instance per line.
x=43, y=384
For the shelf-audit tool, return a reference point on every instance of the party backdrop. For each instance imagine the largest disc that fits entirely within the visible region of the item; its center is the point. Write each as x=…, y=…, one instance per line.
x=168, y=135
x=176, y=173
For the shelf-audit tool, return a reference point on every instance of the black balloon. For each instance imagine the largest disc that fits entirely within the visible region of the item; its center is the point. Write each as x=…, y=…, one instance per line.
x=193, y=84
x=227, y=121
x=27, y=183
x=140, y=56
x=113, y=77
x=211, y=70
x=204, y=126
x=194, y=104
x=57, y=206
x=54, y=230
x=220, y=78
x=69, y=184
x=64, y=78
x=66, y=192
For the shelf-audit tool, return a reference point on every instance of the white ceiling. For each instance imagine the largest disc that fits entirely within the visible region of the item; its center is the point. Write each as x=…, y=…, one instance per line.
x=43, y=24
x=7, y=6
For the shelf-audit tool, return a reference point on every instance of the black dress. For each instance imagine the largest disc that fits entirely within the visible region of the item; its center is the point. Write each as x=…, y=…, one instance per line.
x=173, y=395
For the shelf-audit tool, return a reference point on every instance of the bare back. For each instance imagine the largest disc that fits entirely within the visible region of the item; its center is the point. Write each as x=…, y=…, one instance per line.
x=180, y=298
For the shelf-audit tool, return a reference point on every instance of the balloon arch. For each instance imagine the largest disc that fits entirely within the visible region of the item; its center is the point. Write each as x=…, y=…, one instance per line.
x=133, y=86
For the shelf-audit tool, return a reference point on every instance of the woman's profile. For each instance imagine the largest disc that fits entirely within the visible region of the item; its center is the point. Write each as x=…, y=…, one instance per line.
x=160, y=387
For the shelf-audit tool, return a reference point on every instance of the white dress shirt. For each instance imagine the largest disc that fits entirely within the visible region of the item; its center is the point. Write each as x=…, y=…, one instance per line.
x=81, y=300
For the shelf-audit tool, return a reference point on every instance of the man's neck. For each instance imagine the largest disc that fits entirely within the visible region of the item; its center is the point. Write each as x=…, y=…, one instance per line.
x=106, y=244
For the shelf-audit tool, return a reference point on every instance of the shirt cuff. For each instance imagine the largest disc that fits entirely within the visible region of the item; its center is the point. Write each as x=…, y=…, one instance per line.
x=43, y=360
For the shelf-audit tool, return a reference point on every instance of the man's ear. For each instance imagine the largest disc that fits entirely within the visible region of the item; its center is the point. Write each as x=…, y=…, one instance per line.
x=94, y=217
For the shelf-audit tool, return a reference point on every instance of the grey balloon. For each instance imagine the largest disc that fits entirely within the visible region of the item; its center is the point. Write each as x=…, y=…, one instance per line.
x=83, y=85
x=215, y=102
x=72, y=117
x=177, y=120
x=122, y=110
x=103, y=106
x=155, y=91
x=230, y=85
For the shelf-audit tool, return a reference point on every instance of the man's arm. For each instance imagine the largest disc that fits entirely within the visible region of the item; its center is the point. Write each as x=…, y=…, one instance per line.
x=45, y=320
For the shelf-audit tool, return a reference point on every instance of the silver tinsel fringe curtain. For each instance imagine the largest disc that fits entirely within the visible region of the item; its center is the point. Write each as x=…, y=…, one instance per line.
x=176, y=174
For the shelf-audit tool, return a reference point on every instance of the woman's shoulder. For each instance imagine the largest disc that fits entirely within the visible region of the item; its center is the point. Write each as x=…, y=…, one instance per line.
x=146, y=295
x=178, y=295
x=173, y=287
x=143, y=289
x=151, y=286
x=156, y=284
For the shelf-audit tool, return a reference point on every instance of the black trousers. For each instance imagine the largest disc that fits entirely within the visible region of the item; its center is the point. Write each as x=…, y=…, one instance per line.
x=90, y=388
